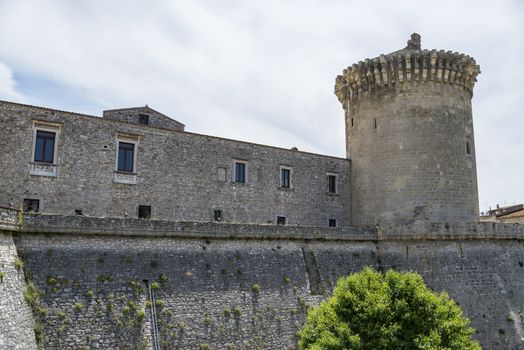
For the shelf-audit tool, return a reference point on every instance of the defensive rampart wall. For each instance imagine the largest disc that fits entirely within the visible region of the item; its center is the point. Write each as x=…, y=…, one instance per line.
x=221, y=286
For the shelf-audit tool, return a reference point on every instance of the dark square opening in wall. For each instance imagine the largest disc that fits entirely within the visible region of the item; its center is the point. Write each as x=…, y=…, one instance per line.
x=218, y=215
x=31, y=205
x=144, y=211
x=281, y=220
x=332, y=222
x=143, y=119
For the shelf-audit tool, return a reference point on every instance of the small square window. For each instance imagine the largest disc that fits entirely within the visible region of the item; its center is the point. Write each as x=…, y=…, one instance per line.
x=31, y=205
x=332, y=183
x=218, y=215
x=285, y=177
x=126, y=155
x=45, y=146
x=281, y=220
x=143, y=119
x=240, y=172
x=144, y=211
x=332, y=222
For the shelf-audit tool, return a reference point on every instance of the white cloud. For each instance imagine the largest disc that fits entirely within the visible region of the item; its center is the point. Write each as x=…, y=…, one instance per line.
x=264, y=70
x=8, y=85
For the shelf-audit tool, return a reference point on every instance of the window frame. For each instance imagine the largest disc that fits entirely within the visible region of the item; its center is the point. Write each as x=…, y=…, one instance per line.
x=335, y=177
x=142, y=116
x=282, y=169
x=469, y=147
x=37, y=200
x=46, y=137
x=332, y=222
x=245, y=163
x=148, y=207
x=129, y=140
x=126, y=177
x=126, y=150
x=50, y=128
x=284, y=219
x=218, y=215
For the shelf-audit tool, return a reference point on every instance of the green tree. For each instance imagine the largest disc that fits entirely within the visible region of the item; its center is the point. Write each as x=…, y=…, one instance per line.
x=370, y=310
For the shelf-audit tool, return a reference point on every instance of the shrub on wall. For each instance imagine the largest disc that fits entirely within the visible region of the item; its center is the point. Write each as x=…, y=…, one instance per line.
x=370, y=310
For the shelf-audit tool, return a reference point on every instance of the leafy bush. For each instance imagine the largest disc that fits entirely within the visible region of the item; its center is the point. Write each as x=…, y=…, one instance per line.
x=370, y=310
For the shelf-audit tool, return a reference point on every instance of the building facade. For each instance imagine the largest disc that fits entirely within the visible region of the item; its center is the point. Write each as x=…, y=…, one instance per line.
x=410, y=157
x=138, y=163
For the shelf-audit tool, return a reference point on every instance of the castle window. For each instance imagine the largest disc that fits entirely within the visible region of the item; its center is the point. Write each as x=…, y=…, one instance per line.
x=374, y=123
x=285, y=177
x=45, y=146
x=332, y=222
x=44, y=154
x=468, y=148
x=240, y=174
x=281, y=220
x=144, y=211
x=352, y=122
x=143, y=119
x=332, y=183
x=31, y=205
x=218, y=215
x=126, y=155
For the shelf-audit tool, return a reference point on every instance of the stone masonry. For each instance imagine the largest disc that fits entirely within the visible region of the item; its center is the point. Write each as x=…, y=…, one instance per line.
x=16, y=319
x=230, y=286
x=181, y=175
x=410, y=136
x=189, y=277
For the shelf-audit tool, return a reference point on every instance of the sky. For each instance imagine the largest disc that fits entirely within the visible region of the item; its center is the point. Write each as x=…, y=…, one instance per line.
x=262, y=70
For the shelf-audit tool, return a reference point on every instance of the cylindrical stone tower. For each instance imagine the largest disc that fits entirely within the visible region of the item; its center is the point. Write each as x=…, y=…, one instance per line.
x=409, y=131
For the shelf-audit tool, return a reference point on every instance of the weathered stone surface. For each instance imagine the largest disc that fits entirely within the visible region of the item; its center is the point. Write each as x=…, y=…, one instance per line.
x=16, y=319
x=154, y=118
x=208, y=294
x=410, y=137
x=245, y=283
x=178, y=174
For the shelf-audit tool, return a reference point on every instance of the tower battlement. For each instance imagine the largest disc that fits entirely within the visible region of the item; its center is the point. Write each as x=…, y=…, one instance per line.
x=403, y=66
x=409, y=131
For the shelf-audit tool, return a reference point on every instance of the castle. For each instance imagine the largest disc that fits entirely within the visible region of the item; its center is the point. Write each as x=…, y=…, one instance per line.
x=139, y=234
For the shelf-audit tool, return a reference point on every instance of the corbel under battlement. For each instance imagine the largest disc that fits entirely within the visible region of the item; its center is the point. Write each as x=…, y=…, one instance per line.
x=406, y=66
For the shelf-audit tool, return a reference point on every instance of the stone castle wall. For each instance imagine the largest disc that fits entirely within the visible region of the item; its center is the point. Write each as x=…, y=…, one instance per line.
x=249, y=286
x=16, y=318
x=132, y=115
x=182, y=176
x=410, y=137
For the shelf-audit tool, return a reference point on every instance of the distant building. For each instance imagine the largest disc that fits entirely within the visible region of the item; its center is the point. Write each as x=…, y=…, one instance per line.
x=508, y=214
